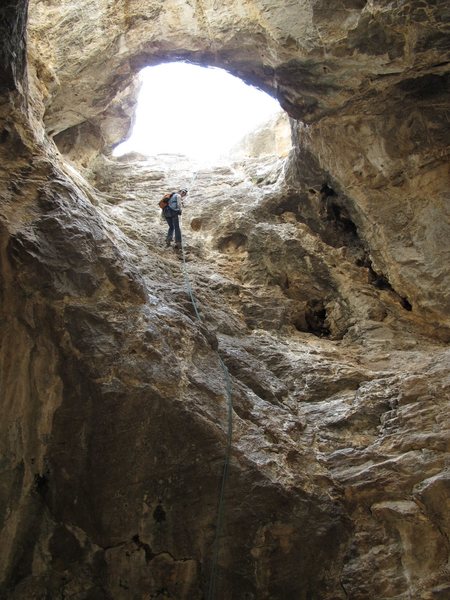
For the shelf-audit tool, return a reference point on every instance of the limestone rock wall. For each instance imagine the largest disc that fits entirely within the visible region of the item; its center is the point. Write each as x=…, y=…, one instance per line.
x=320, y=281
x=372, y=406
x=368, y=79
x=316, y=56
x=392, y=164
x=272, y=138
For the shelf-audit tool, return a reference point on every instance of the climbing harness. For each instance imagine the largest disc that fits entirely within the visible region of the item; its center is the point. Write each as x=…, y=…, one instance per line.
x=227, y=379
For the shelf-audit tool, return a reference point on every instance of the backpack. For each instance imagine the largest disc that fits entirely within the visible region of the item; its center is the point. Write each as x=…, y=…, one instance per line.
x=164, y=202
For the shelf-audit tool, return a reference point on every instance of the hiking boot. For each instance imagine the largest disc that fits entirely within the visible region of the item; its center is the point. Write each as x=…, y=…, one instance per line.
x=177, y=246
x=168, y=242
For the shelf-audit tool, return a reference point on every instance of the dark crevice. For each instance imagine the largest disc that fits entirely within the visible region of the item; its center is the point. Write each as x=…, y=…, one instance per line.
x=381, y=282
x=363, y=262
x=406, y=303
x=159, y=514
x=378, y=281
x=338, y=215
x=149, y=555
x=40, y=484
x=4, y=135
x=426, y=86
x=327, y=191
x=325, y=212
x=315, y=319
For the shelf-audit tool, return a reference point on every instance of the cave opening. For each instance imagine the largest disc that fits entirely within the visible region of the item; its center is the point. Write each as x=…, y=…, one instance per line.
x=198, y=111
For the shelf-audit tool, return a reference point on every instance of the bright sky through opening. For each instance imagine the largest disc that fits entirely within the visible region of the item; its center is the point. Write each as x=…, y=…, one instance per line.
x=196, y=111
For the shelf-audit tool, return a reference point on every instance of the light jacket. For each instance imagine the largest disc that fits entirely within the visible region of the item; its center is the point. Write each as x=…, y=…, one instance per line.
x=175, y=203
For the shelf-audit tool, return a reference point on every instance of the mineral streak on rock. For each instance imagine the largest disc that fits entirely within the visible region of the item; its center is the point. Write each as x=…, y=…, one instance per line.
x=321, y=279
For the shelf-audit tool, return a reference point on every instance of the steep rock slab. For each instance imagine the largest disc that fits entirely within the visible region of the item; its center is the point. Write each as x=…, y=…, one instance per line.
x=105, y=443
x=370, y=411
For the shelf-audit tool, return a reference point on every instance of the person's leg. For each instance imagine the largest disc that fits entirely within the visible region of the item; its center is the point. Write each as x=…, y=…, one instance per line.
x=176, y=226
x=171, y=228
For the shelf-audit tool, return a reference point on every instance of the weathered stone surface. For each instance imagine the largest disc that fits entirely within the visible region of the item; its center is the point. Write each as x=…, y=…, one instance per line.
x=315, y=55
x=396, y=176
x=272, y=138
x=321, y=281
x=383, y=75
x=13, y=23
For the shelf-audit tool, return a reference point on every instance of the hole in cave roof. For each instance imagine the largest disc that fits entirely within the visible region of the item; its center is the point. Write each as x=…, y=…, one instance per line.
x=201, y=112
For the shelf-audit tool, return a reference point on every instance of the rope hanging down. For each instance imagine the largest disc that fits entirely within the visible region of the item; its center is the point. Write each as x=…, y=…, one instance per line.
x=221, y=509
x=227, y=378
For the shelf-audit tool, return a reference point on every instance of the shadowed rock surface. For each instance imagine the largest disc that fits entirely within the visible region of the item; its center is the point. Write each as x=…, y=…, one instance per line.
x=321, y=281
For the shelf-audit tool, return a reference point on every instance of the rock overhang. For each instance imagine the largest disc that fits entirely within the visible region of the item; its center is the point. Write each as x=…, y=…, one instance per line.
x=315, y=58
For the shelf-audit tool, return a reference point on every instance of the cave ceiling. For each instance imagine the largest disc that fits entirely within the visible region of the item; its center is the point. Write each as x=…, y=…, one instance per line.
x=317, y=58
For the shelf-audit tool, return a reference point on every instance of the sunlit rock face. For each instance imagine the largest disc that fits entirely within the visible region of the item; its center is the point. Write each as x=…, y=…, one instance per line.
x=321, y=282
x=273, y=138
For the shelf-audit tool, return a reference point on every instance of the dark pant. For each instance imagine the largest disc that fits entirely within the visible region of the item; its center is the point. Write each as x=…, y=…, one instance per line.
x=174, y=225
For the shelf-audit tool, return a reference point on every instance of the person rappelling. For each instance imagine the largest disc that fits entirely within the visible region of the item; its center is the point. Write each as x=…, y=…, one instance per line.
x=171, y=205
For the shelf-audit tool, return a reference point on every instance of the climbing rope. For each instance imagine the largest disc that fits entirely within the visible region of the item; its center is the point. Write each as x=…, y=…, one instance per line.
x=227, y=379
x=221, y=507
